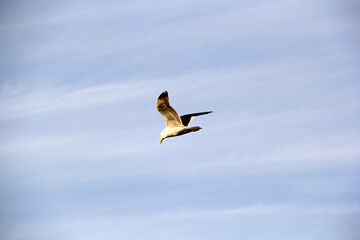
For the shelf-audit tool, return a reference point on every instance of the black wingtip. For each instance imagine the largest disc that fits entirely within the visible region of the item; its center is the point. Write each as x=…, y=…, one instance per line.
x=164, y=94
x=202, y=113
x=207, y=112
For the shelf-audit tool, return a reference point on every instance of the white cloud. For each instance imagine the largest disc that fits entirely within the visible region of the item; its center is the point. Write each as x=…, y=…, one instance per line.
x=52, y=100
x=164, y=33
x=113, y=225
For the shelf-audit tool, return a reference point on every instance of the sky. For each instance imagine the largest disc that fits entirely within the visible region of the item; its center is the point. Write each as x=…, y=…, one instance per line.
x=278, y=158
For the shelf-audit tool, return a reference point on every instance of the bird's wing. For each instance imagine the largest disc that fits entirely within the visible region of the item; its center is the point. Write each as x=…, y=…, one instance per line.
x=186, y=119
x=171, y=116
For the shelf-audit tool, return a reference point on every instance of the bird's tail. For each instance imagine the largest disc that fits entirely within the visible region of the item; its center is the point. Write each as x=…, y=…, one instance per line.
x=193, y=129
x=188, y=130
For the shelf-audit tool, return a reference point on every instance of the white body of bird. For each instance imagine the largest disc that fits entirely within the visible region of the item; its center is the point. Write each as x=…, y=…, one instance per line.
x=176, y=131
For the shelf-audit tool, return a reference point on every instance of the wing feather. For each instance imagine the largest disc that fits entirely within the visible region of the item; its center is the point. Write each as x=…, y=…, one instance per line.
x=186, y=119
x=170, y=115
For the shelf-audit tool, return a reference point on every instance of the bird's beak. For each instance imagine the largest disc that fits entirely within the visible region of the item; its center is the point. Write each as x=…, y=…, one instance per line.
x=161, y=140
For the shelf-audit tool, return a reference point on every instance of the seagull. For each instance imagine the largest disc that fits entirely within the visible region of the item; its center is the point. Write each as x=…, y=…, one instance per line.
x=175, y=125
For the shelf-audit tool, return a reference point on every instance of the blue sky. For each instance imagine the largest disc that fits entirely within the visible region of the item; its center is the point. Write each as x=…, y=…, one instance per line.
x=279, y=157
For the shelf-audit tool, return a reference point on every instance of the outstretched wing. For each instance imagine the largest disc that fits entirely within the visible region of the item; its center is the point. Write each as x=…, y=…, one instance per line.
x=172, y=118
x=186, y=119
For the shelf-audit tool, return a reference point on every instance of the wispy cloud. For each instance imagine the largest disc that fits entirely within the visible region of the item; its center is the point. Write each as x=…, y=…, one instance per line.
x=116, y=159
x=53, y=100
x=258, y=140
x=157, y=36
x=124, y=225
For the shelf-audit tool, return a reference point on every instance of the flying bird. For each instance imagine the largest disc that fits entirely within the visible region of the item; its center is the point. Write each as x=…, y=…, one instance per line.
x=175, y=125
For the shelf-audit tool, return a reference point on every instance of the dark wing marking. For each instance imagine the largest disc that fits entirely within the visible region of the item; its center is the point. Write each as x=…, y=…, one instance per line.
x=171, y=117
x=186, y=119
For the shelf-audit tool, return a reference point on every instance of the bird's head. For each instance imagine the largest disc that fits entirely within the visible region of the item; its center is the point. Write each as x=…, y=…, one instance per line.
x=163, y=135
